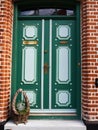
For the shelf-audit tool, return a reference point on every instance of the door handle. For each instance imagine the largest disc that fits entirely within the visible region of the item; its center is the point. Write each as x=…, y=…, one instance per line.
x=46, y=68
x=45, y=51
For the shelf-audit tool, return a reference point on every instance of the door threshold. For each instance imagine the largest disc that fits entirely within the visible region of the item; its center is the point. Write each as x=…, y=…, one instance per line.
x=53, y=114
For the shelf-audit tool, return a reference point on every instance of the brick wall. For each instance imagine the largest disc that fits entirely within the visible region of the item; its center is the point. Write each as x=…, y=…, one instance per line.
x=89, y=38
x=6, y=11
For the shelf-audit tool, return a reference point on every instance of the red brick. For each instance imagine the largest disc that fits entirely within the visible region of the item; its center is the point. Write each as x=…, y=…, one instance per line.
x=5, y=67
x=89, y=35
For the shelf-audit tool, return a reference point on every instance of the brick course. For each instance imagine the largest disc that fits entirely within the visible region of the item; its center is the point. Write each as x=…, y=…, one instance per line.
x=6, y=13
x=89, y=27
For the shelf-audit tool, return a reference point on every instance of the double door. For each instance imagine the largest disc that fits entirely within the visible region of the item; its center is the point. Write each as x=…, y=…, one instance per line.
x=47, y=65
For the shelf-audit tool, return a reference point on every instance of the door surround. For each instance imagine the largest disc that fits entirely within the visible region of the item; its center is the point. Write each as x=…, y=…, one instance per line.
x=15, y=49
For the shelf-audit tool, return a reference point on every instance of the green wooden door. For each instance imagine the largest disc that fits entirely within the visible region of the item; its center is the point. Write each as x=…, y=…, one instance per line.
x=47, y=65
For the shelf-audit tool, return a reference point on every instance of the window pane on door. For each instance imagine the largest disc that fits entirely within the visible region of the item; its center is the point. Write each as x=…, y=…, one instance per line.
x=47, y=12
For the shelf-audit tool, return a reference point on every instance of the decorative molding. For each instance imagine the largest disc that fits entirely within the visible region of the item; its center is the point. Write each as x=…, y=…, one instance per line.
x=29, y=67
x=30, y=32
x=63, y=32
x=31, y=97
x=63, y=62
x=63, y=98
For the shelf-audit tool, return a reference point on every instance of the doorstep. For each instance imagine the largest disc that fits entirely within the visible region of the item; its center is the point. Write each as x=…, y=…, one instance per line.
x=47, y=125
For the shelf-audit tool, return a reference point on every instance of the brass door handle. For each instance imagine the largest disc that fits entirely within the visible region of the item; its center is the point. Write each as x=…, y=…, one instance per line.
x=46, y=68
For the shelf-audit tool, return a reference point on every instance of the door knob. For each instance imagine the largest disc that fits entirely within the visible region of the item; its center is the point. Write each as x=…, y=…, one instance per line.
x=45, y=51
x=46, y=68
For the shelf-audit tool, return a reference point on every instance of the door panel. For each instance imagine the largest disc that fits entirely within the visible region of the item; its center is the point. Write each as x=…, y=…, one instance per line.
x=30, y=40
x=63, y=55
x=29, y=67
x=47, y=64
